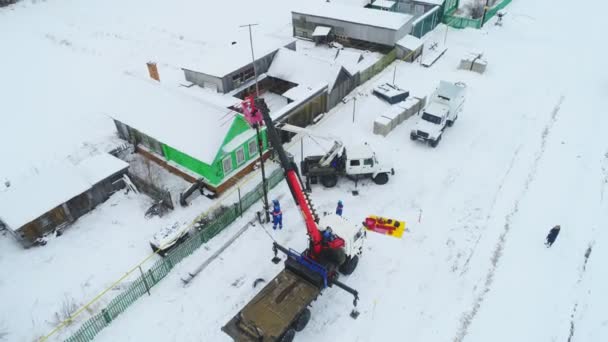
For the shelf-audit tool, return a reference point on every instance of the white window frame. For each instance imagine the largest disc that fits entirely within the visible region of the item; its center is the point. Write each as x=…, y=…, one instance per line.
x=242, y=150
x=224, y=165
x=255, y=144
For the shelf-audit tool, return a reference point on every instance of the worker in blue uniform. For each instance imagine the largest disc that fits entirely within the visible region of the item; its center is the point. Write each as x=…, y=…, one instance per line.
x=277, y=215
x=339, y=208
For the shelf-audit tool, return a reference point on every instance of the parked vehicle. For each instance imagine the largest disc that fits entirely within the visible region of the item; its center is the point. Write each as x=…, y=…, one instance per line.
x=441, y=111
x=355, y=163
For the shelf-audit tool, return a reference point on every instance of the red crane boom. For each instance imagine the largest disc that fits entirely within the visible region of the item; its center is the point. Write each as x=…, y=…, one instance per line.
x=317, y=245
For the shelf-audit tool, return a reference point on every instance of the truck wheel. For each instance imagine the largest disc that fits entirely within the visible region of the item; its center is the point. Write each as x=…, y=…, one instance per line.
x=288, y=336
x=349, y=266
x=302, y=320
x=381, y=178
x=434, y=143
x=329, y=181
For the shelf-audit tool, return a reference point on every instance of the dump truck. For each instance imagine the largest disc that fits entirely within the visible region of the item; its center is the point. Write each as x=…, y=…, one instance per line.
x=441, y=111
x=280, y=309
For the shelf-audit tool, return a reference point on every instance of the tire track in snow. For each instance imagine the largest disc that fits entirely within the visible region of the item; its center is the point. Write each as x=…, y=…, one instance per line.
x=605, y=180
x=580, y=278
x=468, y=317
x=489, y=215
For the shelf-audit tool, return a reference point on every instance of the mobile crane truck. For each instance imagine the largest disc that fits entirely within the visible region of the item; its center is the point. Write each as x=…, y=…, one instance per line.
x=359, y=162
x=335, y=244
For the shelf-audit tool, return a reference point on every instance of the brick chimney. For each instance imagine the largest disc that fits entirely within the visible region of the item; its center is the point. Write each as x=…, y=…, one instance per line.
x=153, y=71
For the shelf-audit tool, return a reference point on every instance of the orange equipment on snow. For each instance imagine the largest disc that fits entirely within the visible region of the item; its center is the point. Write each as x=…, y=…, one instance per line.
x=384, y=225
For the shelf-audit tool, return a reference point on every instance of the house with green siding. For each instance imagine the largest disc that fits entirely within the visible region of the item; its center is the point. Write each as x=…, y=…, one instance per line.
x=187, y=135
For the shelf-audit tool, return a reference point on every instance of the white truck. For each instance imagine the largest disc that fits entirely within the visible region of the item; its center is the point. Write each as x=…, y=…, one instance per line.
x=441, y=111
x=355, y=162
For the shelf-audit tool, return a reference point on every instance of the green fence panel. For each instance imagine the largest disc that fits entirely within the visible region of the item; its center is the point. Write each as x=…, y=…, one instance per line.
x=460, y=22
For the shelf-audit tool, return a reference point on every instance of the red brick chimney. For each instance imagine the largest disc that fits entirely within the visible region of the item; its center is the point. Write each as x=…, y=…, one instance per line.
x=153, y=71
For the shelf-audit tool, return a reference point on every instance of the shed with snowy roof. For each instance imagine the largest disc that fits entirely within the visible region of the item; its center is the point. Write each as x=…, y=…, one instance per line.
x=311, y=72
x=356, y=26
x=57, y=195
x=185, y=134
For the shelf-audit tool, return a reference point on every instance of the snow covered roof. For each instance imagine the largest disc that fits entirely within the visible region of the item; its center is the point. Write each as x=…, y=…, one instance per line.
x=223, y=60
x=387, y=4
x=100, y=167
x=357, y=3
x=451, y=90
x=298, y=92
x=31, y=197
x=301, y=69
x=321, y=31
x=359, y=152
x=358, y=15
x=303, y=96
x=410, y=42
x=211, y=96
x=179, y=120
x=431, y=2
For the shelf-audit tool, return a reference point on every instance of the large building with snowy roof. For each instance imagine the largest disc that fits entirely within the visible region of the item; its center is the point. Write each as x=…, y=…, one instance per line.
x=186, y=134
x=229, y=67
x=58, y=195
x=355, y=26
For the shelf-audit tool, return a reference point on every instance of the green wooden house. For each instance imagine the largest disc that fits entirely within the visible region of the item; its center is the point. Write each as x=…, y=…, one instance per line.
x=188, y=135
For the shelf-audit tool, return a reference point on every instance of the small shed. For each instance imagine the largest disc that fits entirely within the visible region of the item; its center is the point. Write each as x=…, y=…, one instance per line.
x=354, y=26
x=309, y=71
x=58, y=195
x=321, y=34
x=409, y=48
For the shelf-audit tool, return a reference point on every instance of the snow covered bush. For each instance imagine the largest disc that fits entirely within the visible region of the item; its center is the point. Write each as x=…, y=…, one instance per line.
x=67, y=309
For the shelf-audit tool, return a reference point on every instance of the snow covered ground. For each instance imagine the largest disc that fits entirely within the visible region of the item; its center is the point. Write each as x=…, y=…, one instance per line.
x=527, y=153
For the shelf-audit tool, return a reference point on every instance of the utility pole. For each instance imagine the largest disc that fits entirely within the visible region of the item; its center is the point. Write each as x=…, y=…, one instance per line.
x=394, y=74
x=257, y=128
x=354, y=106
x=255, y=70
x=485, y=10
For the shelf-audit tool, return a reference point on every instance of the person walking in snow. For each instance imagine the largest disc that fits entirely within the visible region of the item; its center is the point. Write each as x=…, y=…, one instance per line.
x=552, y=236
x=277, y=215
x=339, y=208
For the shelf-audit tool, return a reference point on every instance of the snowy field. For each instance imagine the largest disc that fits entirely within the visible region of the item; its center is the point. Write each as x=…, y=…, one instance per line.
x=529, y=152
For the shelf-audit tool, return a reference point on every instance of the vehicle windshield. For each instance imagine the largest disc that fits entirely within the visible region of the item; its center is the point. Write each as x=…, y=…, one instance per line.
x=431, y=118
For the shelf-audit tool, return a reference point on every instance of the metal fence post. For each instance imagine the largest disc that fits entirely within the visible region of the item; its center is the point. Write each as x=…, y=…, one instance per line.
x=106, y=315
x=152, y=276
x=240, y=202
x=143, y=277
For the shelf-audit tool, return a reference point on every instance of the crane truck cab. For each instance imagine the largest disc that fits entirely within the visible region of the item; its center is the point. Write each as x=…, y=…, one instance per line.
x=353, y=235
x=442, y=111
x=362, y=161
